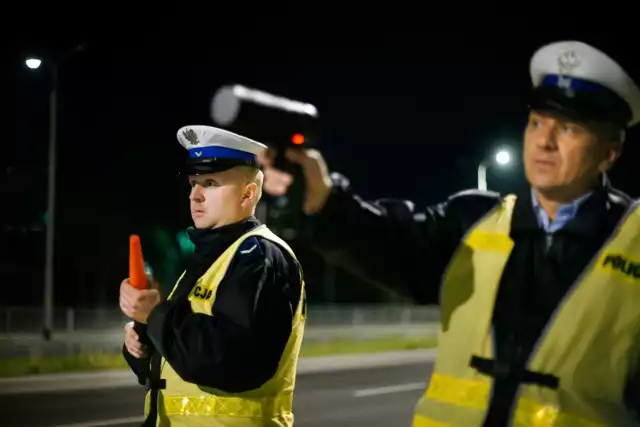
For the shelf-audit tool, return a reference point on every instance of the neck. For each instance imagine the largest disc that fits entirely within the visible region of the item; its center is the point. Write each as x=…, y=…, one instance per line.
x=550, y=200
x=549, y=205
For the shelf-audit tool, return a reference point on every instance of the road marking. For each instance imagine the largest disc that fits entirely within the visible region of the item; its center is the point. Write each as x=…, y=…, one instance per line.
x=104, y=423
x=389, y=389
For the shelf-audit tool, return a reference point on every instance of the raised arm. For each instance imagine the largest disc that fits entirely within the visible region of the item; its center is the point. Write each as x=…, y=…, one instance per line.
x=386, y=242
x=389, y=243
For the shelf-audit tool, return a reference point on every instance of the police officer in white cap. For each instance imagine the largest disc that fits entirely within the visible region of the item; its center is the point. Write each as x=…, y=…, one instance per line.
x=224, y=345
x=539, y=292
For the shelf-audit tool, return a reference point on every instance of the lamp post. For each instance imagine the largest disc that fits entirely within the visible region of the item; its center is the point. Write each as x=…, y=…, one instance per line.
x=502, y=158
x=34, y=64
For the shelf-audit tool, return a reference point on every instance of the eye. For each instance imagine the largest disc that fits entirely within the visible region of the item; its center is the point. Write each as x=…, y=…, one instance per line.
x=207, y=183
x=572, y=129
x=534, y=123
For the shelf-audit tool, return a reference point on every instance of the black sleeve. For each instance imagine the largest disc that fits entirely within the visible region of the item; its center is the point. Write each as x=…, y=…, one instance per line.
x=239, y=347
x=387, y=243
x=140, y=367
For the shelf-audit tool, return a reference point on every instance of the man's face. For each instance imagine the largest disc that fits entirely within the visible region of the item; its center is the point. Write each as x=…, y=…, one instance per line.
x=217, y=199
x=562, y=156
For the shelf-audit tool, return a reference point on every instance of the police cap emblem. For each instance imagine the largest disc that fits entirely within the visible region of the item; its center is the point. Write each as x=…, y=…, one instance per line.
x=191, y=136
x=568, y=62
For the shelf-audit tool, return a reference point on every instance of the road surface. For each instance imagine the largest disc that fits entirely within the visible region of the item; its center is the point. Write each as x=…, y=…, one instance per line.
x=373, y=397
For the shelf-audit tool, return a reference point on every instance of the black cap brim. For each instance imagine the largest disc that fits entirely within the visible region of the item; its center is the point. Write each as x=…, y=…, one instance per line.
x=582, y=107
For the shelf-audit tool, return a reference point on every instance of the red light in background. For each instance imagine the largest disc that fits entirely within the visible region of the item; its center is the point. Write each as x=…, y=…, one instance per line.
x=297, y=139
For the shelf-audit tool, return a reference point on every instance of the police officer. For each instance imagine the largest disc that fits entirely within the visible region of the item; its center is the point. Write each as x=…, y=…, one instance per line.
x=223, y=347
x=539, y=291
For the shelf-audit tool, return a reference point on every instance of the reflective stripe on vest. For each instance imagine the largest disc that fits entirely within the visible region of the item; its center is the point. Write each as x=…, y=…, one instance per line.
x=186, y=404
x=591, y=365
x=476, y=394
x=230, y=406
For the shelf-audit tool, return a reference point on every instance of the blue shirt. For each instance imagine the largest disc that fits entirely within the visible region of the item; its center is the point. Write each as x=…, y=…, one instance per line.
x=564, y=214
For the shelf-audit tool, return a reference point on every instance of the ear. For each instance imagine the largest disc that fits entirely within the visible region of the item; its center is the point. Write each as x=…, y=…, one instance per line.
x=614, y=150
x=250, y=193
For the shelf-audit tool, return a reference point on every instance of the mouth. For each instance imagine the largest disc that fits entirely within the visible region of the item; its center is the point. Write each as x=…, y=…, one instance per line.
x=197, y=213
x=544, y=162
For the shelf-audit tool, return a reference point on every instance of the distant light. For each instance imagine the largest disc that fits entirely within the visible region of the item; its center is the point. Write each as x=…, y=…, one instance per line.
x=33, y=63
x=503, y=157
x=297, y=139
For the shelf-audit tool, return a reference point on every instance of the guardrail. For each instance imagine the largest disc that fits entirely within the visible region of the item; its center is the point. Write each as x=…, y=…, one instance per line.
x=101, y=330
x=29, y=319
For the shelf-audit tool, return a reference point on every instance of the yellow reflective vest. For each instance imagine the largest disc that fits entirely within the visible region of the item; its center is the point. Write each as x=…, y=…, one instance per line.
x=592, y=344
x=186, y=404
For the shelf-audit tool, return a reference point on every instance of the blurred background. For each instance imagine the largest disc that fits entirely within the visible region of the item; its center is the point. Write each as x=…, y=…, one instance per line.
x=405, y=115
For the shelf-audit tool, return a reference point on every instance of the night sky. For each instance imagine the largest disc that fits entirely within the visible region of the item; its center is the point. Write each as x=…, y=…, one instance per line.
x=404, y=115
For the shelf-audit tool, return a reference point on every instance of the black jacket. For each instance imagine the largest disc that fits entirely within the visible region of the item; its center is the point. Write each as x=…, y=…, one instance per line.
x=390, y=244
x=239, y=347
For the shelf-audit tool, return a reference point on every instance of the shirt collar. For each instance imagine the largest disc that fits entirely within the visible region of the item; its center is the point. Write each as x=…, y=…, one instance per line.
x=566, y=212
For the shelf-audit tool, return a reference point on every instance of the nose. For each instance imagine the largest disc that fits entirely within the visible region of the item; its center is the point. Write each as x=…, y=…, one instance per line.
x=197, y=194
x=546, y=136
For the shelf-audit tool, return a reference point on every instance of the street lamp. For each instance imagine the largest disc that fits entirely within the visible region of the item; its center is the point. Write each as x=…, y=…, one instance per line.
x=35, y=63
x=502, y=158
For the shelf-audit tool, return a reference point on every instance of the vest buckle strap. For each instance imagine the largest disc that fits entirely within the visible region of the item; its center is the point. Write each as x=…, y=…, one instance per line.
x=497, y=369
x=156, y=384
x=501, y=370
